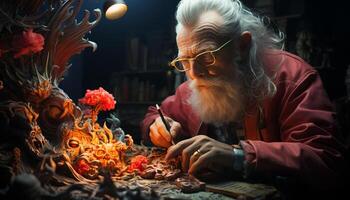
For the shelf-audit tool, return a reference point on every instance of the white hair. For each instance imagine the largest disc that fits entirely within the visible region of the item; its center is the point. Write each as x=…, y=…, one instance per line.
x=237, y=19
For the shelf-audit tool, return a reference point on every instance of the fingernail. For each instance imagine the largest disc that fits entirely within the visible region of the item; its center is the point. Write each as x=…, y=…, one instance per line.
x=166, y=157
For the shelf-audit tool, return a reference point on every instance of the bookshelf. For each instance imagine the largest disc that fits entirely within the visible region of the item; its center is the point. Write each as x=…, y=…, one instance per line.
x=135, y=91
x=142, y=87
x=145, y=79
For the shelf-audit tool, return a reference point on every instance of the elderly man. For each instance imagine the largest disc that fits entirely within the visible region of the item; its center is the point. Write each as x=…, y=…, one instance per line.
x=247, y=107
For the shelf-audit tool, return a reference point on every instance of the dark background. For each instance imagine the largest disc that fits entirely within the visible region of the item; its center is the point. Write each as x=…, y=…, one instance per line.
x=93, y=69
x=326, y=20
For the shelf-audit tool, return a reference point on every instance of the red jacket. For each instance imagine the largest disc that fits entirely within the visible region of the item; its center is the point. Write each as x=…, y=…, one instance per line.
x=297, y=139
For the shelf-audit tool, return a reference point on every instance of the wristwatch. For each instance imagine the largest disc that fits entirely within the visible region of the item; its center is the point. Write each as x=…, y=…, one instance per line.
x=238, y=154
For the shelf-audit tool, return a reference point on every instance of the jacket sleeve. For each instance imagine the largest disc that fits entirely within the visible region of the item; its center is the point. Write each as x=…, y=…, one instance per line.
x=307, y=150
x=175, y=107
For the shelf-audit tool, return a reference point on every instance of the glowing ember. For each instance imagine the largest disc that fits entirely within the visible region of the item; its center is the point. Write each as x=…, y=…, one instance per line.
x=82, y=167
x=93, y=149
x=138, y=163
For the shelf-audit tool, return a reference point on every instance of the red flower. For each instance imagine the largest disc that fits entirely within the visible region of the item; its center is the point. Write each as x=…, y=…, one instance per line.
x=28, y=42
x=99, y=98
x=137, y=163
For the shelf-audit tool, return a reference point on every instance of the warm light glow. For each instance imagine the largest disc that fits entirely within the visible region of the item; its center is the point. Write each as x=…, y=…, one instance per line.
x=116, y=11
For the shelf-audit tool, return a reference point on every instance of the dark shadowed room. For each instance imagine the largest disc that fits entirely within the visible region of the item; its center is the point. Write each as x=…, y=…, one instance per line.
x=174, y=99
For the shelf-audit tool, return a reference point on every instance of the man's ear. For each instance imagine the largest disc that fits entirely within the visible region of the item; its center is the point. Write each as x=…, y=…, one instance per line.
x=244, y=43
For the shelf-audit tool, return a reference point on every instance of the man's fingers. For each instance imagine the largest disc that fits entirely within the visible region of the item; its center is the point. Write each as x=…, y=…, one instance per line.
x=162, y=129
x=164, y=133
x=201, y=163
x=194, y=157
x=175, y=129
x=176, y=149
x=156, y=138
x=187, y=155
x=159, y=141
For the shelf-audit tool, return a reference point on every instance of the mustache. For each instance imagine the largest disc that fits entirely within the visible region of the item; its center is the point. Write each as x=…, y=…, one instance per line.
x=208, y=82
x=212, y=82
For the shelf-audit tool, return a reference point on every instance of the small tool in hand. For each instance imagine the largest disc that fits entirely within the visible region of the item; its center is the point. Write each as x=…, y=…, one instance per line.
x=166, y=124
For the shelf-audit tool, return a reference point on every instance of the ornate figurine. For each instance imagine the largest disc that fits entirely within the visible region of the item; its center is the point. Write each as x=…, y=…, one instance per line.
x=45, y=138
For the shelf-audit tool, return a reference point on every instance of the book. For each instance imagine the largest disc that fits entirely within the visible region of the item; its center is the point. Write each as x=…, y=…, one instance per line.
x=237, y=188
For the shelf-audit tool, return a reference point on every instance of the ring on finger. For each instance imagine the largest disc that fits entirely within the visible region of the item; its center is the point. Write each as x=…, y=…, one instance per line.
x=198, y=152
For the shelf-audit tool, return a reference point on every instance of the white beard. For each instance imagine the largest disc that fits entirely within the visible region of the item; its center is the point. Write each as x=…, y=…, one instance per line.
x=216, y=101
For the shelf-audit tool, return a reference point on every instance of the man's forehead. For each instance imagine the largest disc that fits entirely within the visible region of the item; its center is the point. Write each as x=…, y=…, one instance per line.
x=193, y=41
x=209, y=25
x=206, y=29
x=189, y=44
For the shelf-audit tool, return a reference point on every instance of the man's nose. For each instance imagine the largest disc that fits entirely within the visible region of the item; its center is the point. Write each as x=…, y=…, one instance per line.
x=196, y=70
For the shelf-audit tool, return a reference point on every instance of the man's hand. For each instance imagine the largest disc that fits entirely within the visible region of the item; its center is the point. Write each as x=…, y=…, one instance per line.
x=202, y=154
x=160, y=136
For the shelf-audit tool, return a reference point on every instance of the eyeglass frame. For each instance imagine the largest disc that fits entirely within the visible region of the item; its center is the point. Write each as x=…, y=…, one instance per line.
x=172, y=63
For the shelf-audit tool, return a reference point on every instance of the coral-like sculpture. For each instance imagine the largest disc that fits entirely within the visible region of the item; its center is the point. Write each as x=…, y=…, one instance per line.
x=35, y=49
x=46, y=140
x=93, y=149
x=37, y=39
